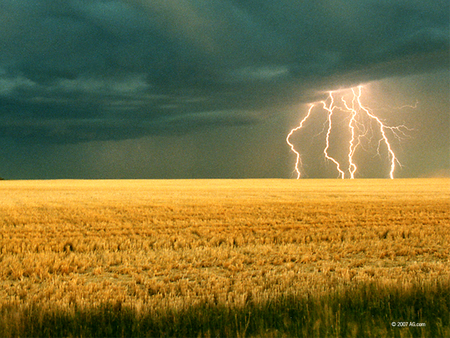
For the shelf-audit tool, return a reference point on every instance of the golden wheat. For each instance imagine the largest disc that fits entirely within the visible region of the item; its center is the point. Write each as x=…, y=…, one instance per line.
x=157, y=243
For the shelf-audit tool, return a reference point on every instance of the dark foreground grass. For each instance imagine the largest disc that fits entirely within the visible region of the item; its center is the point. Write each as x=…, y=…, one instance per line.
x=362, y=310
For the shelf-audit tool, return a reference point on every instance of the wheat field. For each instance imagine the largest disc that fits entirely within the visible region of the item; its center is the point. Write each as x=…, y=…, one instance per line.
x=149, y=244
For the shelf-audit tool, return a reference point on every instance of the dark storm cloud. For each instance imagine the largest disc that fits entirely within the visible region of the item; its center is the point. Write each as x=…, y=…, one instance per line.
x=84, y=70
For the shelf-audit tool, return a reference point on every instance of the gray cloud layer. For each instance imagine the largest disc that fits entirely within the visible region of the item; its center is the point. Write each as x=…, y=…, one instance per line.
x=74, y=71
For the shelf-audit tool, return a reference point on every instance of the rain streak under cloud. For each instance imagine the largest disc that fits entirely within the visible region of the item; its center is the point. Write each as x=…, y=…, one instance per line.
x=185, y=88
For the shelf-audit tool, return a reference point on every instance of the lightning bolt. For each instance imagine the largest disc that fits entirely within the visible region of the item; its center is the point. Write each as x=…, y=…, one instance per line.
x=382, y=131
x=352, y=146
x=330, y=110
x=298, y=161
x=358, y=115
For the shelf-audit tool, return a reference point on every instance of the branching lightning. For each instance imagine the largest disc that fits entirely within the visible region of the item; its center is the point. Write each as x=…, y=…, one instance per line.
x=359, y=127
x=330, y=110
x=298, y=161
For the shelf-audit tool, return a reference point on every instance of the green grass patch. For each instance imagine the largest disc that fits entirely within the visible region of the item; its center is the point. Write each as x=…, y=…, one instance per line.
x=361, y=310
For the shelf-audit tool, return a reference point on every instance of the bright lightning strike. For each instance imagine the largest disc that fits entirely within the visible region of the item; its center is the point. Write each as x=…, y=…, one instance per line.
x=299, y=160
x=358, y=128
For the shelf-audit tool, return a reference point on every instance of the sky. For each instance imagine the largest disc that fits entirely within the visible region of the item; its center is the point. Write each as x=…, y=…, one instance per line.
x=210, y=89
